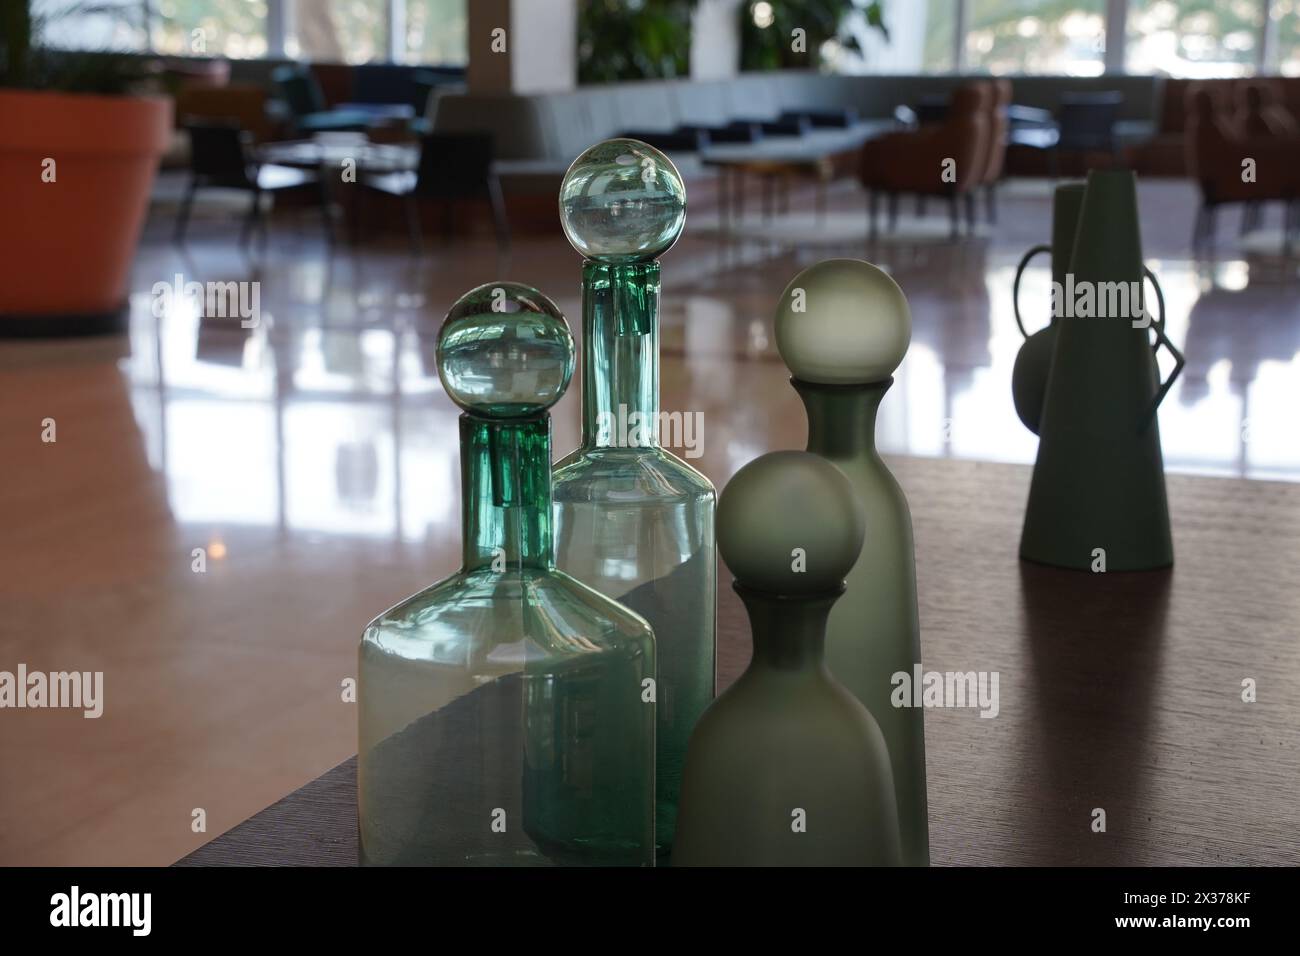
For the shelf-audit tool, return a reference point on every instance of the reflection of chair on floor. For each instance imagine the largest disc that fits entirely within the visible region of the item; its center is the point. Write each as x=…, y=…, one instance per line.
x=1247, y=327
x=453, y=167
x=218, y=159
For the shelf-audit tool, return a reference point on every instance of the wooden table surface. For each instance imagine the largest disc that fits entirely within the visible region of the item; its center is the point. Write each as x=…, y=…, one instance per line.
x=1116, y=691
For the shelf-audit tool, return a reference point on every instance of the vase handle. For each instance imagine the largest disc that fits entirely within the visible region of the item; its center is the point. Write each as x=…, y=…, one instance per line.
x=1015, y=287
x=1159, y=319
x=1179, y=362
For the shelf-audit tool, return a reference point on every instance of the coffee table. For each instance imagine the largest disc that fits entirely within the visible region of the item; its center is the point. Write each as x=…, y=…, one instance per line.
x=1118, y=692
x=821, y=155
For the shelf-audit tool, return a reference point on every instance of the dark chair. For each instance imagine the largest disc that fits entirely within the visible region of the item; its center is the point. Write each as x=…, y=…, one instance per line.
x=452, y=166
x=307, y=107
x=1086, y=124
x=219, y=159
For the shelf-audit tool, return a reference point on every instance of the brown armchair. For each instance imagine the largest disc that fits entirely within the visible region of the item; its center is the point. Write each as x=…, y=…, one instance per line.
x=916, y=162
x=1217, y=145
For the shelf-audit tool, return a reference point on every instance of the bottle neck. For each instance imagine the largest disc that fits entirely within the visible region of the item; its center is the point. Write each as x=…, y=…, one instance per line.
x=789, y=632
x=505, y=475
x=842, y=418
x=620, y=354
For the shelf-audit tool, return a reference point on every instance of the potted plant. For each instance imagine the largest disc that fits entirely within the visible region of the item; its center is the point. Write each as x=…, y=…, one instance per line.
x=79, y=146
x=766, y=29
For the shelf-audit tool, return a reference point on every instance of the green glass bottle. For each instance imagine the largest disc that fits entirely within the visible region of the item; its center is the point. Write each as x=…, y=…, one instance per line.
x=843, y=327
x=632, y=519
x=504, y=711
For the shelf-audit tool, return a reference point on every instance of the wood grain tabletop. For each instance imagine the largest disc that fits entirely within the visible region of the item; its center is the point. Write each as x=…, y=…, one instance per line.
x=1117, y=692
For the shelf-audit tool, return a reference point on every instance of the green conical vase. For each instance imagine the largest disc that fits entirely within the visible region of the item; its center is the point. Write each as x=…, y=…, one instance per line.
x=1097, y=498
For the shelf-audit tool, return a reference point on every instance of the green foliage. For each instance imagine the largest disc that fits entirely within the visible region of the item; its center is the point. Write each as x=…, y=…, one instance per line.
x=634, y=39
x=25, y=63
x=772, y=48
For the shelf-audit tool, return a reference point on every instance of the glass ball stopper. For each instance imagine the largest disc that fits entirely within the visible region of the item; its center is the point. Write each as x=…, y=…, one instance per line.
x=622, y=201
x=790, y=523
x=505, y=351
x=843, y=322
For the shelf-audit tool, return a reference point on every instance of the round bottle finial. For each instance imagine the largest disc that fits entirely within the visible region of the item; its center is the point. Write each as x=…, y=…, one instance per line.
x=504, y=351
x=622, y=201
x=843, y=322
x=789, y=522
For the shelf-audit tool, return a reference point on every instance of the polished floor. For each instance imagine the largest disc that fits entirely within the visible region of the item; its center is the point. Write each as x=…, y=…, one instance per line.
x=313, y=458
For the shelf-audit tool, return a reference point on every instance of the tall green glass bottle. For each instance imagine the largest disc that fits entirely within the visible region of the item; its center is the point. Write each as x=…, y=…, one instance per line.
x=505, y=714
x=632, y=519
x=843, y=327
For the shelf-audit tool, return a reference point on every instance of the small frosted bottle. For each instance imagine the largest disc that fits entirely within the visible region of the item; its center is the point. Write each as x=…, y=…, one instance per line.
x=787, y=768
x=843, y=327
x=633, y=520
x=504, y=718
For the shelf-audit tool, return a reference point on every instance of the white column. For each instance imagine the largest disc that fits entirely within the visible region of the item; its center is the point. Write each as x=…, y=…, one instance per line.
x=522, y=46
x=1266, y=57
x=961, y=23
x=715, y=39
x=1116, y=34
x=275, y=27
x=396, y=10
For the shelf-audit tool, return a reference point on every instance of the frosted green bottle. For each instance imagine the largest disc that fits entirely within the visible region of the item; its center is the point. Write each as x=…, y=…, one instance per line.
x=504, y=718
x=633, y=520
x=843, y=327
x=787, y=768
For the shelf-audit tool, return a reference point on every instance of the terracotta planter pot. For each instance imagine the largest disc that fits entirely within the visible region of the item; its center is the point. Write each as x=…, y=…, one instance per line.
x=66, y=246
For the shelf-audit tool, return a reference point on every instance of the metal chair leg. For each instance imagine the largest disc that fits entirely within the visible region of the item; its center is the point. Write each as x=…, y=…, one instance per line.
x=500, y=221
x=413, y=221
x=326, y=215
x=251, y=220
x=1198, y=227
x=183, y=216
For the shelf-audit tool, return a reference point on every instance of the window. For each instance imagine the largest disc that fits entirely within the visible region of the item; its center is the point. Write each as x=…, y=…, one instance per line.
x=338, y=31
x=940, y=26
x=1286, y=21
x=224, y=28
x=437, y=32
x=114, y=25
x=1036, y=36
x=1196, y=38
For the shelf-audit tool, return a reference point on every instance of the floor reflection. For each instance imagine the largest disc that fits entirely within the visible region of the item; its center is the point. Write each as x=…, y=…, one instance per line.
x=328, y=415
